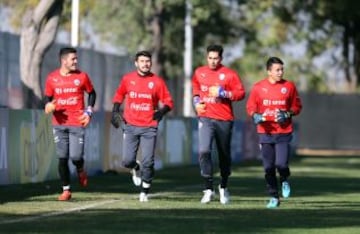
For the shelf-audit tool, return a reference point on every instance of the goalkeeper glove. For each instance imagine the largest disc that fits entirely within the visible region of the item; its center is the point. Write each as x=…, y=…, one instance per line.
x=199, y=105
x=159, y=114
x=116, y=119
x=217, y=91
x=50, y=107
x=281, y=116
x=86, y=116
x=258, y=118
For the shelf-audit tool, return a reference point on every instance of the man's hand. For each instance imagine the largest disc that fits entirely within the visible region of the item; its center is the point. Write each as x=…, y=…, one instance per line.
x=116, y=119
x=50, y=107
x=86, y=116
x=258, y=118
x=217, y=91
x=200, y=108
x=281, y=116
x=159, y=114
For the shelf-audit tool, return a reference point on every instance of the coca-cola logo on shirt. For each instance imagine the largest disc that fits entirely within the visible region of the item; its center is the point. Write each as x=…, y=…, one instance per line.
x=140, y=106
x=68, y=101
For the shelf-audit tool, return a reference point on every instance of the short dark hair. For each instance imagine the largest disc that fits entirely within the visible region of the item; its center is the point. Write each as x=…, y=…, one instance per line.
x=215, y=48
x=273, y=60
x=66, y=50
x=144, y=53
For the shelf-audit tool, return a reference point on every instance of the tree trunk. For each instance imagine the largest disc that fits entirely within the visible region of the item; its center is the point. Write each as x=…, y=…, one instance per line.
x=156, y=28
x=38, y=32
x=357, y=60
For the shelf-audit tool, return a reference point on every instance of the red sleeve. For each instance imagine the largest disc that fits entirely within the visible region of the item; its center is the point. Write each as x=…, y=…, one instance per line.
x=164, y=95
x=49, y=91
x=88, y=86
x=296, y=105
x=236, y=88
x=195, y=84
x=120, y=92
x=251, y=105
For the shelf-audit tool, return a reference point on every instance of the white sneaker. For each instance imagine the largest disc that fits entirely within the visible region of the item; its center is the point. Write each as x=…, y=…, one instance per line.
x=224, y=195
x=143, y=197
x=136, y=175
x=208, y=195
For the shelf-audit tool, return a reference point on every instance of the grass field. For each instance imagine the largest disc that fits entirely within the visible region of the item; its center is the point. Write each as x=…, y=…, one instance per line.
x=325, y=199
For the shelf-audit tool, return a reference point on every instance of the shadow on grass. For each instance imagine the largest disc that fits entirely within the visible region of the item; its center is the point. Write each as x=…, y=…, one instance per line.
x=175, y=220
x=246, y=180
x=317, y=203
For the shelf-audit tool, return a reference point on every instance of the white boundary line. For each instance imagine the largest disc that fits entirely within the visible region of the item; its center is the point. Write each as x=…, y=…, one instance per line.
x=85, y=207
x=56, y=213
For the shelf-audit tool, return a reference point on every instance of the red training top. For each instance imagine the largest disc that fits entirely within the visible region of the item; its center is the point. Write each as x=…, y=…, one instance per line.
x=265, y=98
x=68, y=91
x=217, y=108
x=143, y=94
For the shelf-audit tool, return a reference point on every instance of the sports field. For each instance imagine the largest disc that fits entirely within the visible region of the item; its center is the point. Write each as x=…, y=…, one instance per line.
x=325, y=199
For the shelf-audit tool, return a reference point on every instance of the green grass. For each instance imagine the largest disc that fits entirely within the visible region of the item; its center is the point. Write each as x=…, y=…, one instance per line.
x=325, y=199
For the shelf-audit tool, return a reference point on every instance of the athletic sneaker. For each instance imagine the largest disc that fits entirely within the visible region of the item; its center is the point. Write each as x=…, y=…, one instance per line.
x=83, y=179
x=65, y=196
x=285, y=187
x=224, y=195
x=208, y=195
x=273, y=203
x=136, y=175
x=143, y=197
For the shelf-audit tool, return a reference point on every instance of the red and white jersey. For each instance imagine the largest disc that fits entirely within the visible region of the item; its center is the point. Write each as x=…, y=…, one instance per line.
x=68, y=91
x=217, y=108
x=265, y=98
x=142, y=96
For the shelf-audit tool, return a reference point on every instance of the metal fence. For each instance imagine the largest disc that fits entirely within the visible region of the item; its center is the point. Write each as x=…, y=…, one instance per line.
x=326, y=122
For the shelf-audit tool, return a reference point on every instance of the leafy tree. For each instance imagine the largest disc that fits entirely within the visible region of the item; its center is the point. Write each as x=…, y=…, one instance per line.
x=158, y=25
x=329, y=25
x=38, y=32
x=38, y=25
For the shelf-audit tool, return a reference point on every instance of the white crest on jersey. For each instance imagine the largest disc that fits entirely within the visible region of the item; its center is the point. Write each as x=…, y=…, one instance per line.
x=222, y=76
x=77, y=82
x=283, y=90
x=151, y=85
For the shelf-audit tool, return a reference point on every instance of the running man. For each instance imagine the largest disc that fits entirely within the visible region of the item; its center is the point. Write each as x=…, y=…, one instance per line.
x=147, y=99
x=64, y=97
x=215, y=87
x=272, y=103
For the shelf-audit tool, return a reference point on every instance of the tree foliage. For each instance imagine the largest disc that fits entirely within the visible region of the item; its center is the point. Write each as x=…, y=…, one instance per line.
x=158, y=26
x=331, y=25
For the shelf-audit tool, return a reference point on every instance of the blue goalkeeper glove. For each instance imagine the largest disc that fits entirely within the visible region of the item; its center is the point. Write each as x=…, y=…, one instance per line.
x=258, y=118
x=281, y=116
x=217, y=91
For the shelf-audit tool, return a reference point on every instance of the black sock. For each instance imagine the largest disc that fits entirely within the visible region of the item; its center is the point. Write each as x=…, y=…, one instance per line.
x=224, y=182
x=137, y=167
x=64, y=171
x=79, y=164
x=209, y=183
